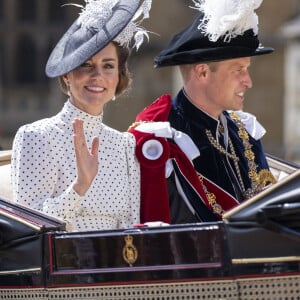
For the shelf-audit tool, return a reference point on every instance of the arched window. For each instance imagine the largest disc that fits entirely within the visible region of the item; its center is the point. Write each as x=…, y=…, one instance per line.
x=26, y=10
x=25, y=68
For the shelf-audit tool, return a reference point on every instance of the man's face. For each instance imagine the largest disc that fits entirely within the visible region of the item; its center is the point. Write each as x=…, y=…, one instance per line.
x=228, y=82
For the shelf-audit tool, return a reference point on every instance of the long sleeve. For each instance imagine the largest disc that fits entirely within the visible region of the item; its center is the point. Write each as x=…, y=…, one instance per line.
x=44, y=170
x=134, y=185
x=35, y=175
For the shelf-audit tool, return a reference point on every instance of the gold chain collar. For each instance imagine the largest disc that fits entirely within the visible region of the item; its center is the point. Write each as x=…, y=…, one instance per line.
x=254, y=177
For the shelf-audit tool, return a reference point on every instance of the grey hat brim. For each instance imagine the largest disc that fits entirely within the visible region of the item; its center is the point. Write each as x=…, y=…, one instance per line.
x=60, y=63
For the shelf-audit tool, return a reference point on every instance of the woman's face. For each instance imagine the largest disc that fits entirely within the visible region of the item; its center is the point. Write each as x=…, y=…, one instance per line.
x=94, y=83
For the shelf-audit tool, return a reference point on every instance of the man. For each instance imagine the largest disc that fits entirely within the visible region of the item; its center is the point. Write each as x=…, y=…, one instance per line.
x=209, y=151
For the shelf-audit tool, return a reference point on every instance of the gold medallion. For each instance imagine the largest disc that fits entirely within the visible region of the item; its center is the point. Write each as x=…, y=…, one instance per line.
x=130, y=253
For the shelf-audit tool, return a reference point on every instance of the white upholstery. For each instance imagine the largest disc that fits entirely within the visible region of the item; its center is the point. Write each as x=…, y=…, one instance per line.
x=279, y=169
x=5, y=178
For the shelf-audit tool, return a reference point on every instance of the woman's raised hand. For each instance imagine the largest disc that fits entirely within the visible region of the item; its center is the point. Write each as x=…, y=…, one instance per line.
x=86, y=160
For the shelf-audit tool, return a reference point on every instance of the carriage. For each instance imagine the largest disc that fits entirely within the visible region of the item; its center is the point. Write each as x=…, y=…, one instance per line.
x=254, y=253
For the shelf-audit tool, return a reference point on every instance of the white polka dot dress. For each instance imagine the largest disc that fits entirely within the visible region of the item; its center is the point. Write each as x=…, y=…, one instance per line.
x=44, y=168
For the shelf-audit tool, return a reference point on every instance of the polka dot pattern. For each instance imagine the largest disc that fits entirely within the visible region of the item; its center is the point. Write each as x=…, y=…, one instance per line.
x=44, y=168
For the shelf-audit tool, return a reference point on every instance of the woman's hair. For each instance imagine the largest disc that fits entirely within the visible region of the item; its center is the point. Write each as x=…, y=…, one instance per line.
x=125, y=78
x=124, y=74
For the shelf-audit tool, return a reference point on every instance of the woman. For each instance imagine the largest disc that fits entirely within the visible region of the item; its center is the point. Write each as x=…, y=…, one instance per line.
x=72, y=166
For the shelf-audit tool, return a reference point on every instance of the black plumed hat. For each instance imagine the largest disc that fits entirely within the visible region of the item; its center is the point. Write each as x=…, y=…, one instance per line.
x=204, y=42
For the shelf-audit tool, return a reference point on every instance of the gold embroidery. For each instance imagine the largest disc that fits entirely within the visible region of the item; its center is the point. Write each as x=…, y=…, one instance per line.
x=253, y=176
x=135, y=124
x=258, y=181
x=249, y=155
x=265, y=177
x=243, y=134
x=234, y=116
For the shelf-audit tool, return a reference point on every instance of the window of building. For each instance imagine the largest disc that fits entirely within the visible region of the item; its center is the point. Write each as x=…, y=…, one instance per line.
x=1, y=10
x=2, y=62
x=25, y=68
x=26, y=10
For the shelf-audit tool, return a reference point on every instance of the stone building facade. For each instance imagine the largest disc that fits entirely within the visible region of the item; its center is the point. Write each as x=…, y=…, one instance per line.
x=30, y=28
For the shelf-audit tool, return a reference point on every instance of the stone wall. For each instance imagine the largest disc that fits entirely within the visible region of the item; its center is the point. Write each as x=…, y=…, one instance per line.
x=23, y=104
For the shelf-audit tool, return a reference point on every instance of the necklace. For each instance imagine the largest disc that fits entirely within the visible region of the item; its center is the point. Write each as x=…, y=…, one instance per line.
x=257, y=182
x=231, y=155
x=220, y=148
x=254, y=177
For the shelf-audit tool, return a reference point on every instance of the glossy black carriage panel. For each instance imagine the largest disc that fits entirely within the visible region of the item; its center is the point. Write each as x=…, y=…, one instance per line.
x=264, y=232
x=23, y=258
x=257, y=245
x=146, y=254
x=282, y=198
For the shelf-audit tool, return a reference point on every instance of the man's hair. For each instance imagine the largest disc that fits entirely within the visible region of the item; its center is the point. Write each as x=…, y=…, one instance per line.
x=186, y=69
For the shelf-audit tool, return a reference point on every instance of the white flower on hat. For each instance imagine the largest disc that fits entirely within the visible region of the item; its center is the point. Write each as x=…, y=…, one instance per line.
x=227, y=18
x=95, y=14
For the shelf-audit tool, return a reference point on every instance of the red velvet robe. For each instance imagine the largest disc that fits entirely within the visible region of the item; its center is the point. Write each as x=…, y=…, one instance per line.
x=154, y=193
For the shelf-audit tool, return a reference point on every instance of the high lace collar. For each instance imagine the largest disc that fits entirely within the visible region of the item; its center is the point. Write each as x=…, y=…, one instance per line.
x=70, y=112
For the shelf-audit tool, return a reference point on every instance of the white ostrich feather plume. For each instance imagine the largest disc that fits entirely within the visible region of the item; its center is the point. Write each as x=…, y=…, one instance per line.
x=95, y=13
x=227, y=18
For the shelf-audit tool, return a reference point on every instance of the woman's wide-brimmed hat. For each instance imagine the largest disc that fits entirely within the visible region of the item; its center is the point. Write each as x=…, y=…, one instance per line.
x=99, y=23
x=223, y=30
